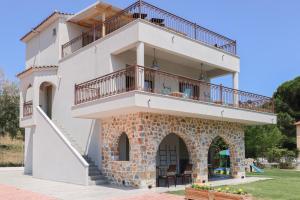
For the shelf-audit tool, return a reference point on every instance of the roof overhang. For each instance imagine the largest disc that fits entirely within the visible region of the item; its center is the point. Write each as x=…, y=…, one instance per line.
x=32, y=69
x=93, y=14
x=43, y=25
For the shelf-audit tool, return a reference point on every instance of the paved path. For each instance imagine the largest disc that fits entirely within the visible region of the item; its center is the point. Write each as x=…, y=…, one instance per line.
x=13, y=193
x=64, y=191
x=151, y=196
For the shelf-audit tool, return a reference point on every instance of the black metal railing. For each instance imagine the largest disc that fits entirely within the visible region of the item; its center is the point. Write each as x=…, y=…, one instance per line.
x=160, y=82
x=155, y=15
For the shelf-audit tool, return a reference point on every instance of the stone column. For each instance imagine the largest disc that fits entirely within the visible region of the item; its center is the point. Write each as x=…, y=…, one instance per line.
x=235, y=82
x=298, y=142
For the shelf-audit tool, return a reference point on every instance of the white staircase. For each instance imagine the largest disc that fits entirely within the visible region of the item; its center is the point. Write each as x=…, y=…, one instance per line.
x=69, y=137
x=95, y=175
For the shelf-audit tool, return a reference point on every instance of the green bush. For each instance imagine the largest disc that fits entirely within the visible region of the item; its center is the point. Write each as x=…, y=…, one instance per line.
x=220, y=189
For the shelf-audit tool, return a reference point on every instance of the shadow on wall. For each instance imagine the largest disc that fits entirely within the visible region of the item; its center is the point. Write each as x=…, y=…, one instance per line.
x=28, y=157
x=93, y=146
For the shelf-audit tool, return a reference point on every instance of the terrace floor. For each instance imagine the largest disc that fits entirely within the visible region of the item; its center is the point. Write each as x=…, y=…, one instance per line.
x=15, y=185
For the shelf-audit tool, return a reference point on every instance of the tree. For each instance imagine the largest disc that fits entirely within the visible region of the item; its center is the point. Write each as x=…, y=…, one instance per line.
x=275, y=140
x=259, y=139
x=9, y=107
x=287, y=106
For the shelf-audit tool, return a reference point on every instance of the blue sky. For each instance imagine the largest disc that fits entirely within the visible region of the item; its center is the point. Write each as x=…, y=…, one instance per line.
x=267, y=33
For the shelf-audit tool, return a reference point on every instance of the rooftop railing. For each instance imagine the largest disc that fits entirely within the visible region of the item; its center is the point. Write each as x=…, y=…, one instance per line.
x=146, y=79
x=157, y=16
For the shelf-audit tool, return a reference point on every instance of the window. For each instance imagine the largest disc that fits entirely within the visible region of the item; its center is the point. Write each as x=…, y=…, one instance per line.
x=54, y=32
x=123, y=147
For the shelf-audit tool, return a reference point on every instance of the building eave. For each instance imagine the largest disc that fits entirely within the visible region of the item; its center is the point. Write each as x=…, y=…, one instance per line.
x=36, y=68
x=44, y=24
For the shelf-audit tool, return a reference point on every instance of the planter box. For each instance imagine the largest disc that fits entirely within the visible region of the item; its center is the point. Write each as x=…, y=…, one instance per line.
x=228, y=196
x=193, y=194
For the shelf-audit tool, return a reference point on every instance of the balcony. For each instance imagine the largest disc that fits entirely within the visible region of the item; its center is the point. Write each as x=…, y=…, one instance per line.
x=26, y=119
x=27, y=109
x=151, y=81
x=163, y=19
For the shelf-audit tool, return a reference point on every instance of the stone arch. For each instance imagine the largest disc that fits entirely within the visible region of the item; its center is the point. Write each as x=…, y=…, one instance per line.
x=235, y=142
x=230, y=147
x=182, y=136
x=191, y=146
x=114, y=146
x=176, y=145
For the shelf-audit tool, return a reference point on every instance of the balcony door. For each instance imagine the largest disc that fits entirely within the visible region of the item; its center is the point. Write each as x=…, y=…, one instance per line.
x=46, y=98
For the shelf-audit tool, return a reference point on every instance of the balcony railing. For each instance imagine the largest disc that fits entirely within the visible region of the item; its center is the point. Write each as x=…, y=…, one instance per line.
x=155, y=15
x=164, y=83
x=27, y=109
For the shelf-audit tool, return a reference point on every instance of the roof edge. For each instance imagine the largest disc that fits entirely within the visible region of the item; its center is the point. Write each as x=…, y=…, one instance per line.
x=53, y=14
x=34, y=68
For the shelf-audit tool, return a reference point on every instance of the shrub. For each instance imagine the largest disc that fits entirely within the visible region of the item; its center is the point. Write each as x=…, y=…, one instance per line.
x=220, y=189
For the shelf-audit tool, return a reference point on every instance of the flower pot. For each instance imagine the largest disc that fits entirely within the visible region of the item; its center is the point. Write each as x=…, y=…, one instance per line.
x=193, y=194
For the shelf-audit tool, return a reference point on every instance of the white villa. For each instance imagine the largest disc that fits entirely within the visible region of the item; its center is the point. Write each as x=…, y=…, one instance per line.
x=124, y=96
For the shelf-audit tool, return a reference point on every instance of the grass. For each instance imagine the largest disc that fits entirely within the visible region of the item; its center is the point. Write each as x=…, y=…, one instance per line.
x=11, y=151
x=285, y=185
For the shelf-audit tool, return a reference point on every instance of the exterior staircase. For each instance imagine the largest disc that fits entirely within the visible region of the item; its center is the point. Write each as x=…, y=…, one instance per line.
x=69, y=137
x=95, y=175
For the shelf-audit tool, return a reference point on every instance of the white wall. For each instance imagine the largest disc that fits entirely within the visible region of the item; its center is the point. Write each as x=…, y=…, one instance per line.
x=53, y=157
x=28, y=150
x=67, y=32
x=172, y=42
x=89, y=62
x=43, y=48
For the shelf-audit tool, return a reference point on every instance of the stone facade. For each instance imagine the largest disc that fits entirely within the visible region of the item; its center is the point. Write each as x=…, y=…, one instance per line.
x=146, y=131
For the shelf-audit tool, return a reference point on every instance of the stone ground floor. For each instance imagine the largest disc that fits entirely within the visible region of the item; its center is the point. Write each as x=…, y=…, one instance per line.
x=138, y=146
x=14, y=185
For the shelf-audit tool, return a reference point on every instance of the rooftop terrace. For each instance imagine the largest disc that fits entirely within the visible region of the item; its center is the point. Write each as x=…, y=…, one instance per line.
x=155, y=15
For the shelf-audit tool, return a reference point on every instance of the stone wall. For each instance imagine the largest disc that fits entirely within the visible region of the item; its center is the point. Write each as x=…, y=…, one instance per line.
x=146, y=131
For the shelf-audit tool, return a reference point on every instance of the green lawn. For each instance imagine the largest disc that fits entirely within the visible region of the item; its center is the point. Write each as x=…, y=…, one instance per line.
x=285, y=185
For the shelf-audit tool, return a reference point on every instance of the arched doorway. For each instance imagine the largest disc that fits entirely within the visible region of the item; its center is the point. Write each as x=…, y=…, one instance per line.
x=46, y=98
x=172, y=151
x=218, y=159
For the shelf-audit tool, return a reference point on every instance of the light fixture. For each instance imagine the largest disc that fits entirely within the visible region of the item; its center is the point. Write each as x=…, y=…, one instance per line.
x=155, y=64
x=203, y=75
